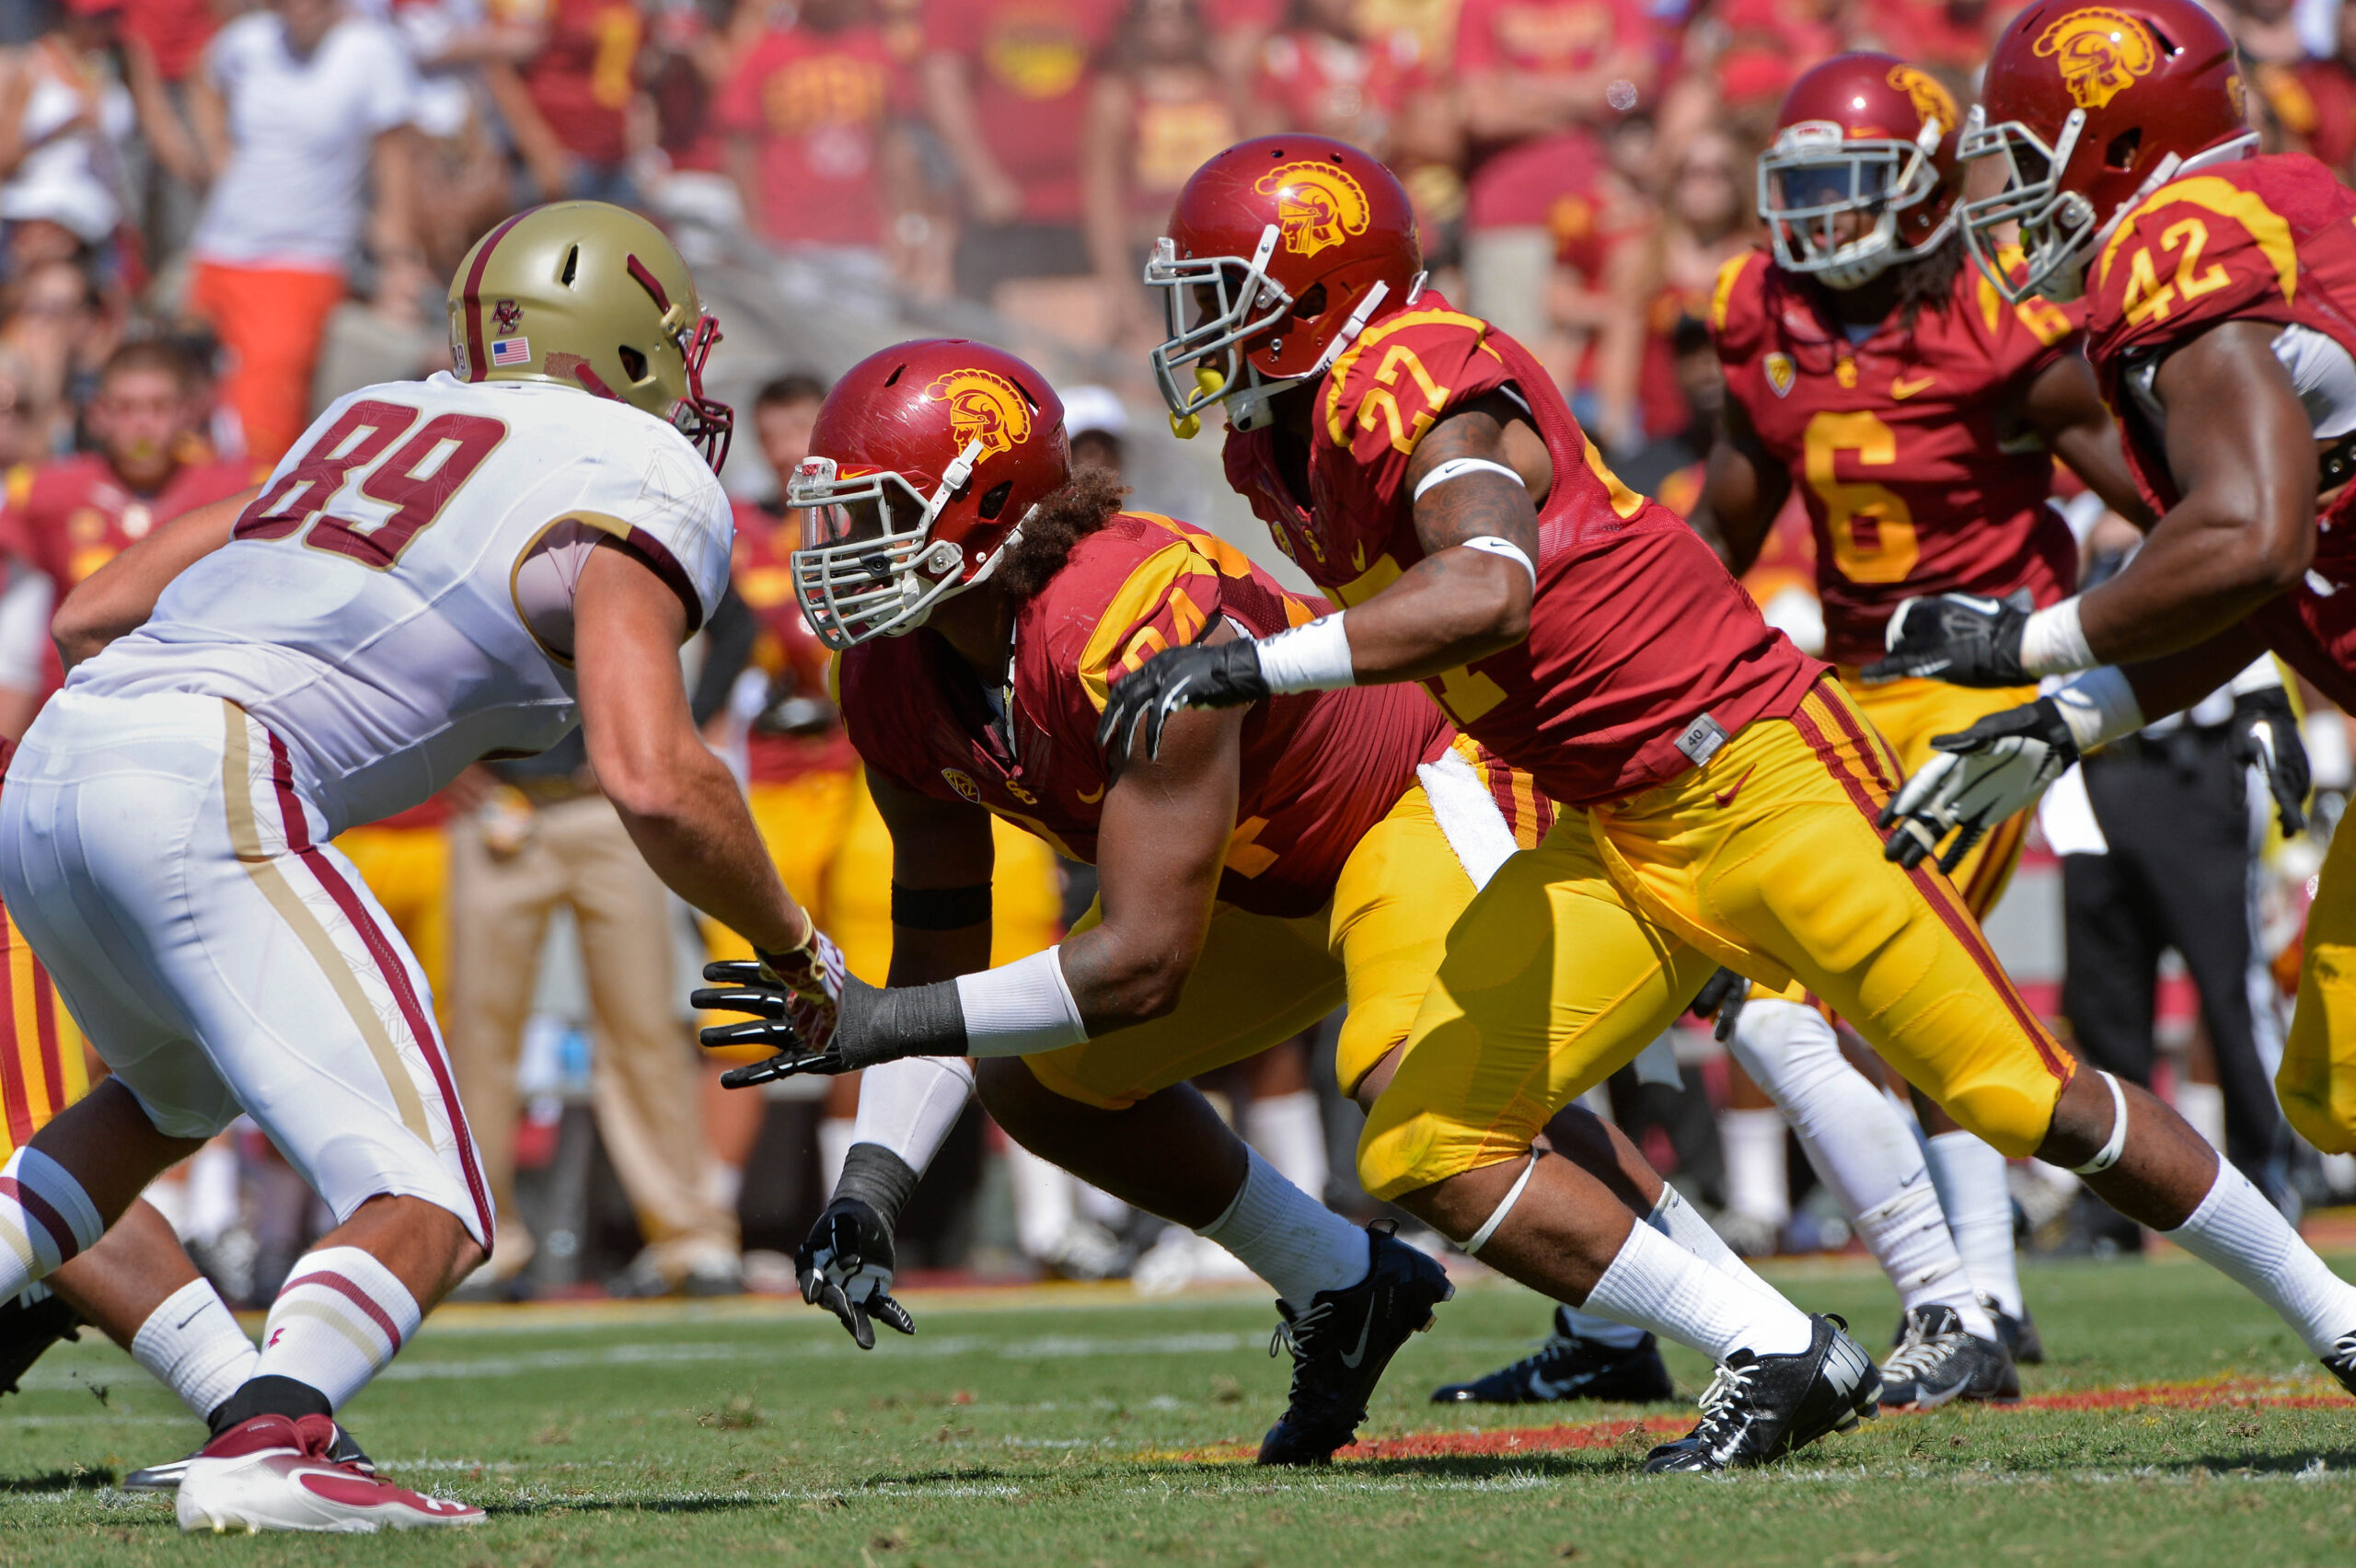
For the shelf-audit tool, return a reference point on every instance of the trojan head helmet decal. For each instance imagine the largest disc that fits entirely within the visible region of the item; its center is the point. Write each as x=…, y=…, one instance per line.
x=1930, y=100
x=983, y=407
x=2100, y=52
x=1318, y=205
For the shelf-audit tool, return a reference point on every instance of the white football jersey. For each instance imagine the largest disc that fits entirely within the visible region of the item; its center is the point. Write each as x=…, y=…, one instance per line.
x=396, y=604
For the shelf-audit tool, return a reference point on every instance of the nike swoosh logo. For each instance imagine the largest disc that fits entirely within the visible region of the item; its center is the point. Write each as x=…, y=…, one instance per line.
x=1925, y=1399
x=192, y=1317
x=1725, y=798
x=1901, y=389
x=1365, y=1328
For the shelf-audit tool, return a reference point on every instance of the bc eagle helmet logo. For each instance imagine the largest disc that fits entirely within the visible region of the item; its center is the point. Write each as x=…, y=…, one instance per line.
x=983, y=407
x=2100, y=52
x=1318, y=205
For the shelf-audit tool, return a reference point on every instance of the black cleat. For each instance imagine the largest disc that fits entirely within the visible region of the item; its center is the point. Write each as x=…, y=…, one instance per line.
x=1569, y=1368
x=165, y=1477
x=28, y=1330
x=1759, y=1408
x=1341, y=1342
x=1937, y=1361
x=2022, y=1340
x=2342, y=1361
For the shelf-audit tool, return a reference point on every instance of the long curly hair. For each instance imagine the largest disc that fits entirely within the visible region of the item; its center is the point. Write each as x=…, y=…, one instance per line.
x=1086, y=502
x=1927, y=282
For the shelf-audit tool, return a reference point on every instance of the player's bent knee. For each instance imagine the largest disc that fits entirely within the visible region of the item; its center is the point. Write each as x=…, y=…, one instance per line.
x=2006, y=1116
x=1399, y=1155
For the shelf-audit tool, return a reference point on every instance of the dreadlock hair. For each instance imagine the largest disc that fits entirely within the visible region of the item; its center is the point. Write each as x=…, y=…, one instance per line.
x=1927, y=282
x=1086, y=502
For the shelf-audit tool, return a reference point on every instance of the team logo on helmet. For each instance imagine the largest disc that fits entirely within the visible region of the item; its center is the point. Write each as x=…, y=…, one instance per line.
x=986, y=407
x=2100, y=52
x=506, y=318
x=1930, y=100
x=1318, y=205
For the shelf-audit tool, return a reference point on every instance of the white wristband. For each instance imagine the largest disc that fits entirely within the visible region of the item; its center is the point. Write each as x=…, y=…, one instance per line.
x=2260, y=674
x=2053, y=643
x=2098, y=705
x=1489, y=544
x=1020, y=1008
x=1315, y=657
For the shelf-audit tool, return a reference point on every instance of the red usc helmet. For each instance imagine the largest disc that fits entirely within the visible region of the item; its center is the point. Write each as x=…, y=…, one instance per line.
x=2091, y=106
x=925, y=463
x=1863, y=171
x=1285, y=245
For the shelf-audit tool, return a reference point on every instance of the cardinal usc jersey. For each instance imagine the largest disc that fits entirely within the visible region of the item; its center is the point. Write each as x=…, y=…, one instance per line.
x=1638, y=632
x=1319, y=769
x=1918, y=475
x=396, y=603
x=786, y=651
x=2270, y=239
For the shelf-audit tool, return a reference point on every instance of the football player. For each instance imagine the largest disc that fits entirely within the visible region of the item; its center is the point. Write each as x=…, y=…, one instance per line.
x=440, y=570
x=2219, y=288
x=1719, y=790
x=1268, y=866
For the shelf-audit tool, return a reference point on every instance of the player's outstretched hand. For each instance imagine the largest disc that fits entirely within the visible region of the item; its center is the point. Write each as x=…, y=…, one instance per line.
x=844, y=1265
x=1199, y=674
x=868, y=1027
x=2266, y=737
x=1961, y=638
x=1980, y=776
x=1721, y=997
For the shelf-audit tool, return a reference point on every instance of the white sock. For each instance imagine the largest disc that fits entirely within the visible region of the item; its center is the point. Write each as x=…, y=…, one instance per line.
x=1043, y=1208
x=2239, y=1234
x=195, y=1348
x=341, y=1316
x=213, y=1196
x=835, y=1137
x=2203, y=1105
x=1287, y=1238
x=1096, y=1204
x=1656, y=1284
x=1757, y=1177
x=1908, y=1235
x=1683, y=1224
x=1290, y=1130
x=1970, y=1176
x=46, y=1219
x=1599, y=1331
x=908, y=1106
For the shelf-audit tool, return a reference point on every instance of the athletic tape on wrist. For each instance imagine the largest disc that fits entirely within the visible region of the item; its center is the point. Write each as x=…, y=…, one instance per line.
x=2108, y=1156
x=1314, y=657
x=2098, y=705
x=1020, y=1008
x=2054, y=643
x=1471, y=1246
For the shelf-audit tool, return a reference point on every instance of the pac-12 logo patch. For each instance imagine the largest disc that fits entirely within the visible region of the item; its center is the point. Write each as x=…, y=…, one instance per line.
x=1318, y=205
x=987, y=407
x=2100, y=52
x=506, y=318
x=1780, y=373
x=963, y=782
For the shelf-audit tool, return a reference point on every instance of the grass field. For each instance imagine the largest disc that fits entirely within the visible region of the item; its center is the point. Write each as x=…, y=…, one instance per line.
x=1084, y=1426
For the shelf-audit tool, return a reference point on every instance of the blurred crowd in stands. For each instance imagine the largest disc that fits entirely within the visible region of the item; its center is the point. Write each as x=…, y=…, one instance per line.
x=214, y=219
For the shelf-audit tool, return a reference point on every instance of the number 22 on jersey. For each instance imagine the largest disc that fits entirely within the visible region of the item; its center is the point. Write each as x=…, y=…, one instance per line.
x=1871, y=526
x=417, y=481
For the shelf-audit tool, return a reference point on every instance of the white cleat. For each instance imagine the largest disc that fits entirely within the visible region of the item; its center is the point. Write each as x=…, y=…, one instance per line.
x=274, y=1474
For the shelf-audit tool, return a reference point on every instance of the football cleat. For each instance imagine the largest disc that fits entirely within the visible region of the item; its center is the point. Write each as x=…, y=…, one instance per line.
x=1759, y=1408
x=1341, y=1342
x=2022, y=1340
x=1938, y=1361
x=28, y=1329
x=274, y=1474
x=2342, y=1361
x=168, y=1476
x=1570, y=1367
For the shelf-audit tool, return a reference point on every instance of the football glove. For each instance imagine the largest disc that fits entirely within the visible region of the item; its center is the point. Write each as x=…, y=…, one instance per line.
x=872, y=1024
x=1721, y=997
x=1197, y=674
x=844, y=1265
x=2266, y=737
x=1957, y=638
x=1980, y=776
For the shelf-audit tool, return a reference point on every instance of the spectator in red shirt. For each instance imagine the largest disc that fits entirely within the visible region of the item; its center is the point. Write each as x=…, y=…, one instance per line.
x=822, y=168
x=572, y=105
x=1327, y=74
x=2314, y=101
x=1006, y=83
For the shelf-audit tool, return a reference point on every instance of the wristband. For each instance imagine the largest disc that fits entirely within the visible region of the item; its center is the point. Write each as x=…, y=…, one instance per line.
x=2053, y=643
x=1315, y=657
x=1455, y=468
x=2098, y=705
x=878, y=1178
x=1020, y=1008
x=1489, y=544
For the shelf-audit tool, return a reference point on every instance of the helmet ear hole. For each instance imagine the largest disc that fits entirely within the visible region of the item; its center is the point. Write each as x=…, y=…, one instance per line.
x=572, y=268
x=994, y=499
x=2121, y=151
x=633, y=362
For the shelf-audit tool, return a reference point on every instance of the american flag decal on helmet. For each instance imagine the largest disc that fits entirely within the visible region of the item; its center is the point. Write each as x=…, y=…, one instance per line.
x=511, y=351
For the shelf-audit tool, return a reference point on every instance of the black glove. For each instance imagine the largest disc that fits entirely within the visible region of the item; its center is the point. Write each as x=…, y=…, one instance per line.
x=1721, y=997
x=844, y=1265
x=1196, y=675
x=1957, y=638
x=1980, y=776
x=2266, y=737
x=875, y=1025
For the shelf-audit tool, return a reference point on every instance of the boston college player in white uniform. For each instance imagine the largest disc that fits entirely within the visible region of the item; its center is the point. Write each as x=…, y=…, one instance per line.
x=440, y=571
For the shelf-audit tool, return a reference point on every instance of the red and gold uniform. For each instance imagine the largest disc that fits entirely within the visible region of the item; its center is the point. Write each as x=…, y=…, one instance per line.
x=1683, y=851
x=1339, y=883
x=1919, y=478
x=583, y=80
x=43, y=1065
x=810, y=801
x=2270, y=239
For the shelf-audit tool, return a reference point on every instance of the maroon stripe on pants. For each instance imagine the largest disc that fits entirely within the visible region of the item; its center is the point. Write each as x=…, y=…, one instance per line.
x=329, y=1279
x=39, y=1210
x=388, y=963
